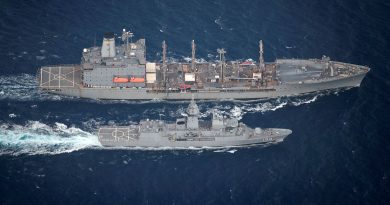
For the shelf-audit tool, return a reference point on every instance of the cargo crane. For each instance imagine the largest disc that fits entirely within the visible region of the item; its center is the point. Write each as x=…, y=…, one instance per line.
x=193, y=47
x=164, y=63
x=261, y=60
x=221, y=52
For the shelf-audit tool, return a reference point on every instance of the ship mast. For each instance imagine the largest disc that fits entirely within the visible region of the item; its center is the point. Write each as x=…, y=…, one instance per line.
x=193, y=114
x=164, y=61
x=261, y=59
x=193, y=47
x=221, y=52
x=125, y=37
x=261, y=53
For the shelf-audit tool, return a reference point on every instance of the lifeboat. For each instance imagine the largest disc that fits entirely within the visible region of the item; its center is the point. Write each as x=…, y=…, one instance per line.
x=184, y=87
x=120, y=80
x=137, y=80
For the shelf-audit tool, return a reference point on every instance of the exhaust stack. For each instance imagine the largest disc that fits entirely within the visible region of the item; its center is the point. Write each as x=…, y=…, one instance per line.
x=108, y=46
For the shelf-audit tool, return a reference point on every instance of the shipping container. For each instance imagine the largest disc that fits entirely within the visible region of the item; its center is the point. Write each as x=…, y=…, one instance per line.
x=189, y=77
x=151, y=67
x=256, y=75
x=150, y=77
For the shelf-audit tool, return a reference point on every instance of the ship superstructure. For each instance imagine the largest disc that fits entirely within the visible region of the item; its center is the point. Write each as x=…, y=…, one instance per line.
x=119, y=70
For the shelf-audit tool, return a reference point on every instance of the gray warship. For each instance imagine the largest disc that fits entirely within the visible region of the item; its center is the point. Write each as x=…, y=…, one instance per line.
x=119, y=70
x=189, y=132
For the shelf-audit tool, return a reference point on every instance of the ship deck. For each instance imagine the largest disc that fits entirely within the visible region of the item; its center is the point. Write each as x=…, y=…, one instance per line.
x=301, y=70
x=238, y=77
x=117, y=133
x=59, y=76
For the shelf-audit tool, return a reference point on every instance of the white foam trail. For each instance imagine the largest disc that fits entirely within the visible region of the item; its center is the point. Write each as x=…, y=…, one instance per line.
x=281, y=105
x=305, y=101
x=23, y=87
x=39, y=138
x=232, y=151
x=221, y=150
x=240, y=108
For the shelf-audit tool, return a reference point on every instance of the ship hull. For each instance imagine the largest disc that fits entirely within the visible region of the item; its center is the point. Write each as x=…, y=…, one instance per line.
x=289, y=89
x=157, y=140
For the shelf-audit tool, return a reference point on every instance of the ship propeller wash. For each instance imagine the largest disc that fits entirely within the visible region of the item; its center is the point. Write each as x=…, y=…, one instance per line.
x=189, y=132
x=119, y=70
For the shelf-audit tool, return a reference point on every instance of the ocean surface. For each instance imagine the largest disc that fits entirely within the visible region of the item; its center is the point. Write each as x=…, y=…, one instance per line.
x=339, y=152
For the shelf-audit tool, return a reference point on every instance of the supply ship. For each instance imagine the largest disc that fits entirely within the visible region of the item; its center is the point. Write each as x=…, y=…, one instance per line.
x=119, y=70
x=189, y=132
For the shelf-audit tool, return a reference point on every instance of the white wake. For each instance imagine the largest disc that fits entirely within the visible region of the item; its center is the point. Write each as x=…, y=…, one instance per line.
x=23, y=87
x=38, y=138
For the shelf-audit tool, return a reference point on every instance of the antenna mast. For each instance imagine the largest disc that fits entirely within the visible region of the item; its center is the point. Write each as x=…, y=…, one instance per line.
x=131, y=35
x=193, y=56
x=261, y=58
x=125, y=37
x=221, y=52
x=164, y=60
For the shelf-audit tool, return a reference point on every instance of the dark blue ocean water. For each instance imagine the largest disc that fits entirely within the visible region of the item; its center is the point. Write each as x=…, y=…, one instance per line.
x=339, y=152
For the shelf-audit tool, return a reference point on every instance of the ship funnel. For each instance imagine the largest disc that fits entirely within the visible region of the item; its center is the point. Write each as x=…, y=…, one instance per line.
x=108, y=46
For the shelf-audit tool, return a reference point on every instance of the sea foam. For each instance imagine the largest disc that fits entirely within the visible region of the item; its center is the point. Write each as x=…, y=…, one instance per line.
x=39, y=138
